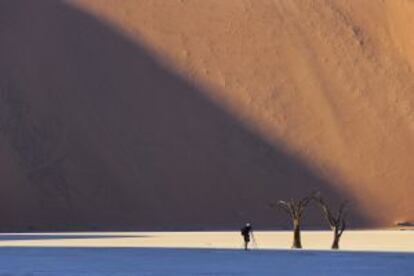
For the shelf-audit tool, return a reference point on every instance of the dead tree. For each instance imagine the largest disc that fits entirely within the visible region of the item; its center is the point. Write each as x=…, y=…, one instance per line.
x=295, y=211
x=336, y=222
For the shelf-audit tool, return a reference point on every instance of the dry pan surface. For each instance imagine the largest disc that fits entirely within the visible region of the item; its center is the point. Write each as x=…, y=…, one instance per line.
x=379, y=240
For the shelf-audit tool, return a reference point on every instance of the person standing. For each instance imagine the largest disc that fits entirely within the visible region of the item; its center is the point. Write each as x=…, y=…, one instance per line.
x=246, y=232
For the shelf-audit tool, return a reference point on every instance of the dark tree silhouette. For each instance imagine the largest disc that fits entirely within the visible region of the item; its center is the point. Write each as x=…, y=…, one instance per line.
x=295, y=211
x=336, y=222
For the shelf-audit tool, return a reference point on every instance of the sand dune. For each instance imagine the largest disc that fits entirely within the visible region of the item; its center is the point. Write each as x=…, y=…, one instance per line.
x=197, y=114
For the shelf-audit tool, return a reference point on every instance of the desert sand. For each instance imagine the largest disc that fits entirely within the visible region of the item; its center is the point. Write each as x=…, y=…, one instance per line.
x=185, y=114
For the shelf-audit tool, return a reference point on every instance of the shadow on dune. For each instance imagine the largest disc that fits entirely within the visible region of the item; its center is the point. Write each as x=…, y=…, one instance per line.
x=96, y=132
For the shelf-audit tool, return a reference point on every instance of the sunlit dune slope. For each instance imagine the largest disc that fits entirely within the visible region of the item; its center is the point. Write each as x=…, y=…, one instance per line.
x=197, y=114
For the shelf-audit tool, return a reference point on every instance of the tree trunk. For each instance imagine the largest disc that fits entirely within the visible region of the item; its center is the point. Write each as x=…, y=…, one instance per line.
x=335, y=244
x=296, y=235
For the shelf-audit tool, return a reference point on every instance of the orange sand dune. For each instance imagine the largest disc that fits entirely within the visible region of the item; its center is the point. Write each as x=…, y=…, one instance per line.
x=197, y=114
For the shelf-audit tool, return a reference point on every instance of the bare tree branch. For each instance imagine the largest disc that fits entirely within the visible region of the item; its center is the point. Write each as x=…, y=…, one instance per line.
x=295, y=210
x=285, y=206
x=338, y=222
